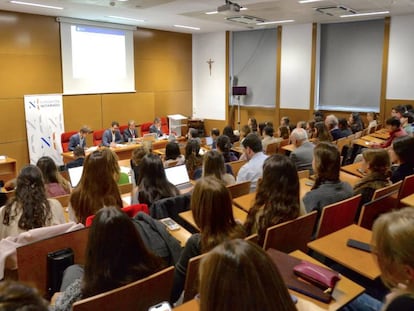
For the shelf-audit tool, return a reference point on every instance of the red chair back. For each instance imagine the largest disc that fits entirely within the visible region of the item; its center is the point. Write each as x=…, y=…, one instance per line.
x=122, y=128
x=64, y=140
x=145, y=128
x=97, y=137
x=130, y=210
x=337, y=216
x=164, y=125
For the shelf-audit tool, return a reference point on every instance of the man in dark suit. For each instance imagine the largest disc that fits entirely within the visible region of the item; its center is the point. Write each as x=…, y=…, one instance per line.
x=79, y=139
x=112, y=136
x=331, y=123
x=302, y=156
x=156, y=127
x=130, y=134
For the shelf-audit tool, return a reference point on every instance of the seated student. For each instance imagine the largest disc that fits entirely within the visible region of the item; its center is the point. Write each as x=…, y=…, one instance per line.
x=79, y=139
x=252, y=123
x=344, y=127
x=272, y=206
x=20, y=297
x=239, y=275
x=224, y=147
x=372, y=120
x=136, y=158
x=211, y=206
x=213, y=165
x=55, y=184
x=112, y=136
x=322, y=133
x=156, y=127
x=115, y=256
x=310, y=129
x=407, y=122
x=283, y=132
x=376, y=165
x=253, y=153
x=393, y=125
x=302, y=155
x=229, y=132
x=328, y=188
x=97, y=187
x=130, y=134
x=244, y=131
x=193, y=158
x=79, y=155
x=215, y=133
x=397, y=111
x=392, y=240
x=193, y=135
x=268, y=137
x=29, y=208
x=401, y=154
x=355, y=122
x=331, y=123
x=153, y=184
x=172, y=154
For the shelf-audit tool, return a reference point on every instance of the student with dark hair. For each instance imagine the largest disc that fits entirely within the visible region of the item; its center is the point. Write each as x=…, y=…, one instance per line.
x=97, y=187
x=407, y=122
x=372, y=120
x=153, y=184
x=284, y=121
x=244, y=131
x=245, y=265
x=322, y=133
x=55, y=184
x=283, y=132
x=402, y=155
x=393, y=125
x=318, y=116
x=273, y=207
x=136, y=157
x=355, y=122
x=397, y=111
x=224, y=147
x=328, y=188
x=173, y=154
x=215, y=133
x=344, y=127
x=115, y=256
x=376, y=165
x=229, y=132
x=268, y=137
x=211, y=206
x=29, y=208
x=193, y=158
x=252, y=123
x=16, y=296
x=213, y=165
x=253, y=152
x=79, y=155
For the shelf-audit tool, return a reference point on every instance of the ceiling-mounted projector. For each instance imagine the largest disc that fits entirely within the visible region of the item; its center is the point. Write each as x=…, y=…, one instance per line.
x=229, y=7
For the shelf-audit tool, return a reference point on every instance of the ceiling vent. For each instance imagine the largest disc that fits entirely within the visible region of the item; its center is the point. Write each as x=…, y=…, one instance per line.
x=245, y=19
x=336, y=10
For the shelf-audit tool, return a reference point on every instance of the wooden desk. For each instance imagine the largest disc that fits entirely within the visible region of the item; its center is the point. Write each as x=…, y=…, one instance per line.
x=245, y=202
x=192, y=305
x=361, y=142
x=372, y=139
x=237, y=213
x=181, y=235
x=8, y=169
x=289, y=147
x=238, y=149
x=334, y=247
x=408, y=201
x=382, y=134
x=353, y=169
x=345, y=290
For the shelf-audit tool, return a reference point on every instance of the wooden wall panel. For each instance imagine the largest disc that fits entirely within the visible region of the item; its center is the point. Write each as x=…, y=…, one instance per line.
x=79, y=110
x=123, y=107
x=173, y=102
x=12, y=121
x=18, y=151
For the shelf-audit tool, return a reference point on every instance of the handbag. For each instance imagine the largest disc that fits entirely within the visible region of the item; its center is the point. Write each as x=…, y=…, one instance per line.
x=317, y=275
x=57, y=262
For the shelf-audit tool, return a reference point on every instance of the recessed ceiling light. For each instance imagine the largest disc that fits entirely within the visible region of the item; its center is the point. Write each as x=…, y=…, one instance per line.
x=211, y=12
x=126, y=18
x=187, y=27
x=37, y=5
x=276, y=22
x=365, y=14
x=308, y=1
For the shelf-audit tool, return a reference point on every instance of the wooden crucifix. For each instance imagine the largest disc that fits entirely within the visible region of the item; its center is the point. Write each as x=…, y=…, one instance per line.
x=210, y=63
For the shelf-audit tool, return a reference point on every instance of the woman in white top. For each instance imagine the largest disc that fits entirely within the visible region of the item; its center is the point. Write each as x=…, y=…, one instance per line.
x=372, y=120
x=29, y=208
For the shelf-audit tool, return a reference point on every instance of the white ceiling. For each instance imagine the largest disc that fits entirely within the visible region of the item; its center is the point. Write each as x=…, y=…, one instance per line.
x=163, y=14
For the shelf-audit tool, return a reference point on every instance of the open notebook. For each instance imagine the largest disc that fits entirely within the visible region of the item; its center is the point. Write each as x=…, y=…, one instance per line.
x=75, y=175
x=178, y=176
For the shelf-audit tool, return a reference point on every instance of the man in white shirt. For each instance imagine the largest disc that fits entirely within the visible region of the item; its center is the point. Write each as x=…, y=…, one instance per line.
x=253, y=152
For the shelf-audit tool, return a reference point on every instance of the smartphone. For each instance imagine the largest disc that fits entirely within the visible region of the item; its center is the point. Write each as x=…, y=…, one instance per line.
x=170, y=224
x=309, y=183
x=163, y=306
x=359, y=245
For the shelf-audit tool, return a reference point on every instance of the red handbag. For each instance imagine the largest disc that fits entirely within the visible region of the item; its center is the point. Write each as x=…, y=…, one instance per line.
x=319, y=276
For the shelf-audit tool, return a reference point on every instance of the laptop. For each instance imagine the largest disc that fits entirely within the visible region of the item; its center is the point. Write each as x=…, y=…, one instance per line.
x=75, y=174
x=178, y=176
x=209, y=141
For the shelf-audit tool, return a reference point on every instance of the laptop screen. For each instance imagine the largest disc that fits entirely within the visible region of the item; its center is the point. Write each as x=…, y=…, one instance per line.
x=75, y=175
x=177, y=175
x=209, y=140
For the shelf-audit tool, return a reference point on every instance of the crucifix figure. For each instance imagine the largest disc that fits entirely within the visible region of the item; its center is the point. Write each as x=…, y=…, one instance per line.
x=210, y=63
